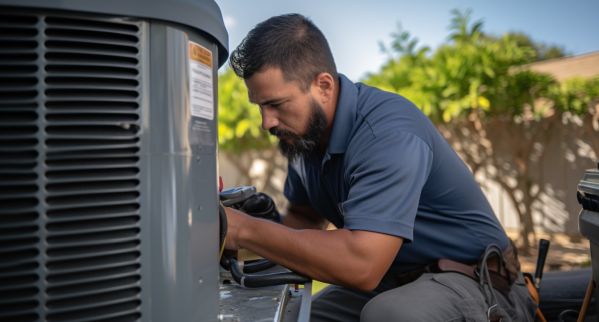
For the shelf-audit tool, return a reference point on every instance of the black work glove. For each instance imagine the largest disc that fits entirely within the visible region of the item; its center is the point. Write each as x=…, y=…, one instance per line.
x=262, y=206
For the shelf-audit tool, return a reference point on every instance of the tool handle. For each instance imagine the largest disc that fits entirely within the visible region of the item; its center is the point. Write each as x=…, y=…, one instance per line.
x=543, y=250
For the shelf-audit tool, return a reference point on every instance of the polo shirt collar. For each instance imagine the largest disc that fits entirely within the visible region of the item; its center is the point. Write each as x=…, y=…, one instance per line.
x=345, y=116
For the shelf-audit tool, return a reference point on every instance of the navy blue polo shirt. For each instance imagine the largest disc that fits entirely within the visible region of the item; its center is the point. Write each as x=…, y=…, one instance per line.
x=388, y=170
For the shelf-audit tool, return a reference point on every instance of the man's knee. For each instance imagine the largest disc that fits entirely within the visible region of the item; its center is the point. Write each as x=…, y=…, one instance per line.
x=375, y=310
x=391, y=307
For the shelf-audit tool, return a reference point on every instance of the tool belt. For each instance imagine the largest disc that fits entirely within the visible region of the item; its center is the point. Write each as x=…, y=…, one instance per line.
x=502, y=275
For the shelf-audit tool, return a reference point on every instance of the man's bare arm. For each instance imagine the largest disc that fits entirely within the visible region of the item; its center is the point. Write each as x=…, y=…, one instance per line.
x=355, y=259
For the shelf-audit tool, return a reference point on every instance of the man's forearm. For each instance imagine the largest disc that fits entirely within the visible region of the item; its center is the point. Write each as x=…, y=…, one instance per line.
x=330, y=256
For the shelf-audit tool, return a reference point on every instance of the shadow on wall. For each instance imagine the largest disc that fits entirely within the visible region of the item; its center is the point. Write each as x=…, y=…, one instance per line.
x=530, y=170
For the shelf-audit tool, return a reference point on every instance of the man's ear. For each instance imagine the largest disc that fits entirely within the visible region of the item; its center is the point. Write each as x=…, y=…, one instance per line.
x=323, y=87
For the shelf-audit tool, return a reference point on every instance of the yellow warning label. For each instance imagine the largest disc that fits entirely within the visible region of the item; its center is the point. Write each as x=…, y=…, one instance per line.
x=200, y=54
x=201, y=82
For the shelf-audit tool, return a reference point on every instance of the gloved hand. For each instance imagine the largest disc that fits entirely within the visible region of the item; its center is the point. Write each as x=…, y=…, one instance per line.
x=262, y=206
x=246, y=199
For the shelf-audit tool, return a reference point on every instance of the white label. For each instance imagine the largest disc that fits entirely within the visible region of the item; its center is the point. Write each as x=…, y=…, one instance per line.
x=201, y=85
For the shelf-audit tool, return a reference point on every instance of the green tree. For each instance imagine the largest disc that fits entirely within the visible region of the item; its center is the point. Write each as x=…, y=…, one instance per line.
x=238, y=119
x=542, y=51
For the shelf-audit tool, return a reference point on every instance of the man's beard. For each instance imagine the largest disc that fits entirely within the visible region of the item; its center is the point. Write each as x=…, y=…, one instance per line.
x=293, y=145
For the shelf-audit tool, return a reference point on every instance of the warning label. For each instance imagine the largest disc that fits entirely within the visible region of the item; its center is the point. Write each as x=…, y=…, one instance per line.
x=201, y=84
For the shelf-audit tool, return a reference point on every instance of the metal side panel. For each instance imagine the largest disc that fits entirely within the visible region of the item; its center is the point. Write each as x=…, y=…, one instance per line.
x=180, y=197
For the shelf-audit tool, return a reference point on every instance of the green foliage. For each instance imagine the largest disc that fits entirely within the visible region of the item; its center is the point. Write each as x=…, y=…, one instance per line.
x=239, y=121
x=476, y=72
x=462, y=30
x=541, y=51
x=575, y=95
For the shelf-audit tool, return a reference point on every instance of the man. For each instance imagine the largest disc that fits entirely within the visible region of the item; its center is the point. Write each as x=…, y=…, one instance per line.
x=373, y=165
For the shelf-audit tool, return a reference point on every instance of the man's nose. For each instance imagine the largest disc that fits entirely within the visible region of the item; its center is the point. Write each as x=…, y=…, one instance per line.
x=269, y=118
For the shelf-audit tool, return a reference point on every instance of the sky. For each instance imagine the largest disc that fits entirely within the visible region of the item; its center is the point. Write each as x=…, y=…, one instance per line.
x=355, y=28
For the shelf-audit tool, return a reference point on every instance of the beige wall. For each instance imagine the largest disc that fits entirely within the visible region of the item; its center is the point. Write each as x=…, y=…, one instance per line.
x=257, y=165
x=563, y=165
x=584, y=66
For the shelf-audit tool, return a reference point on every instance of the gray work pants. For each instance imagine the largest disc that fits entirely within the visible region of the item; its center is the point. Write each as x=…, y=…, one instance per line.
x=432, y=297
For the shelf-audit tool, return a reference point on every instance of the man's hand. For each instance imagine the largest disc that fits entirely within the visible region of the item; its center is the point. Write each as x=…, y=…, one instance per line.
x=298, y=217
x=235, y=222
x=260, y=205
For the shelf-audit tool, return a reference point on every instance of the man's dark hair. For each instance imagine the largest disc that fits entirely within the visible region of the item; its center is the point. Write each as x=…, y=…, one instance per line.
x=290, y=42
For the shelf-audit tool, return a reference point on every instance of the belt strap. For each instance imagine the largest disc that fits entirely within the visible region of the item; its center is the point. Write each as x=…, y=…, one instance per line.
x=500, y=281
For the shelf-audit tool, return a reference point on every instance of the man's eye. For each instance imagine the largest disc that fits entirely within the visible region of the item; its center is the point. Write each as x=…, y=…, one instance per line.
x=274, y=106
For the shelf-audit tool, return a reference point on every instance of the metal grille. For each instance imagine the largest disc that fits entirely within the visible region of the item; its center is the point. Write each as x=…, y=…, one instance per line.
x=92, y=90
x=18, y=162
x=78, y=252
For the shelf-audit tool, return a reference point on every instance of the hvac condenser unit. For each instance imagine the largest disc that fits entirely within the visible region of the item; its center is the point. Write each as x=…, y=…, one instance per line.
x=108, y=187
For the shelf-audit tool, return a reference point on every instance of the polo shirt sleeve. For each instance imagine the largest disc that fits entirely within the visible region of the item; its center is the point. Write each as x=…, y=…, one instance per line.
x=386, y=176
x=294, y=190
